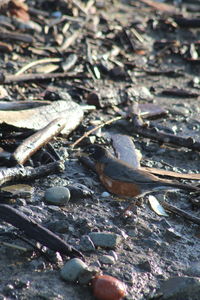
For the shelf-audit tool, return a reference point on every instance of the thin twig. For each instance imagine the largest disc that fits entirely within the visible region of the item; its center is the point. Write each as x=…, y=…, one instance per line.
x=181, y=212
x=7, y=79
x=86, y=134
x=36, y=231
x=13, y=246
x=34, y=142
x=37, y=62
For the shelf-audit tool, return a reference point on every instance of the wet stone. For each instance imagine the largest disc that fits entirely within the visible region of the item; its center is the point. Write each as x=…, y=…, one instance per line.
x=144, y=266
x=180, y=288
x=105, y=239
x=57, y=195
x=72, y=269
x=86, y=243
x=107, y=259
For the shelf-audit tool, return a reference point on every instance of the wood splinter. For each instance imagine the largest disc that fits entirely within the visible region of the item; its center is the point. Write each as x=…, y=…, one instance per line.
x=36, y=141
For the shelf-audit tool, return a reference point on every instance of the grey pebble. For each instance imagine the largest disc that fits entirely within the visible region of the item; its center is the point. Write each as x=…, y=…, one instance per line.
x=107, y=259
x=72, y=269
x=86, y=243
x=105, y=239
x=172, y=234
x=57, y=195
x=180, y=288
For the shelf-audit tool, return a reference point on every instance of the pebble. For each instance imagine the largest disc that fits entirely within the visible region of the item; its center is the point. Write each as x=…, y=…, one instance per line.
x=107, y=259
x=105, y=195
x=180, y=288
x=72, y=269
x=105, y=239
x=86, y=243
x=57, y=195
x=172, y=234
x=144, y=266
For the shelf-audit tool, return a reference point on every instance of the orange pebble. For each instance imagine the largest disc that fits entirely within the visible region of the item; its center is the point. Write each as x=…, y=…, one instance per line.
x=106, y=287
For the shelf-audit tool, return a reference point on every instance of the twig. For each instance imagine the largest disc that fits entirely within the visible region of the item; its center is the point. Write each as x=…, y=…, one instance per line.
x=34, y=142
x=36, y=231
x=15, y=36
x=86, y=134
x=21, y=173
x=13, y=246
x=37, y=62
x=180, y=212
x=69, y=41
x=154, y=133
x=7, y=79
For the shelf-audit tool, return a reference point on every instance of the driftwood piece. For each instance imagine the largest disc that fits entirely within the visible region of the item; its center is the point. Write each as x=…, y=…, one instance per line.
x=9, y=79
x=36, y=231
x=15, y=36
x=20, y=173
x=19, y=105
x=30, y=145
x=39, y=117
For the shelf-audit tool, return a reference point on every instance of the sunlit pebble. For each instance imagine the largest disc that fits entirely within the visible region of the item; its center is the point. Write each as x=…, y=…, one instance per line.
x=105, y=195
x=106, y=287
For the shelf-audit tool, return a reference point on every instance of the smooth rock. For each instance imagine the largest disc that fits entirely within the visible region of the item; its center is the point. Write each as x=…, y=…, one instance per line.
x=86, y=243
x=105, y=195
x=107, y=259
x=180, y=288
x=57, y=195
x=72, y=269
x=105, y=239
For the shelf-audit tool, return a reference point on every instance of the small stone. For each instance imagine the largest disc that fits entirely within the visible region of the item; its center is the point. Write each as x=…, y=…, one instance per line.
x=105, y=195
x=172, y=234
x=57, y=195
x=86, y=276
x=72, y=269
x=86, y=243
x=105, y=239
x=107, y=259
x=180, y=288
x=144, y=266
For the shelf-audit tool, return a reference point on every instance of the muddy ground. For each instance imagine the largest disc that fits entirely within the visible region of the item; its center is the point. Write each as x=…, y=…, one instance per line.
x=154, y=248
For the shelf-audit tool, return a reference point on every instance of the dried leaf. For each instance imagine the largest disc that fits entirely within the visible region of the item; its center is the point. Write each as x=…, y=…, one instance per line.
x=156, y=206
